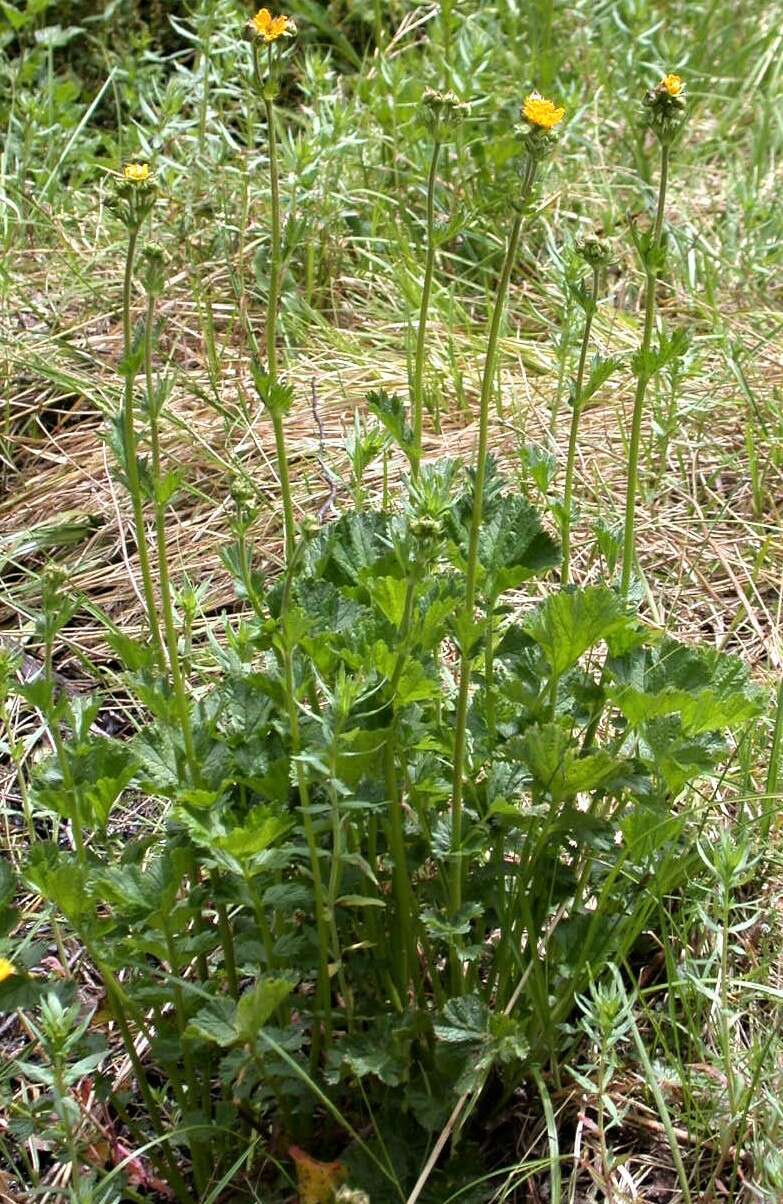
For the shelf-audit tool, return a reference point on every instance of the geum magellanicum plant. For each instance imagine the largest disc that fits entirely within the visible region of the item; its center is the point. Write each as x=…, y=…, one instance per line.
x=415, y=811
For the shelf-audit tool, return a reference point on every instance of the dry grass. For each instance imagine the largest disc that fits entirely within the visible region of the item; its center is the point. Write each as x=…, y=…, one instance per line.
x=698, y=533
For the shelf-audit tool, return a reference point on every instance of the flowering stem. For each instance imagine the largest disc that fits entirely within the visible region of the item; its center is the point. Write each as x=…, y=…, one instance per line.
x=274, y=266
x=773, y=770
x=575, y=416
x=204, y=104
x=285, y=485
x=71, y=790
x=378, y=22
x=401, y=875
x=472, y=563
x=162, y=554
x=418, y=376
x=322, y=928
x=644, y=376
x=131, y=462
x=163, y=1155
x=273, y=305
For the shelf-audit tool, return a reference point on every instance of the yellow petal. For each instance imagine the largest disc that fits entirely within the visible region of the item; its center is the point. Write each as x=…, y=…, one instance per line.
x=7, y=969
x=542, y=112
x=672, y=84
x=262, y=20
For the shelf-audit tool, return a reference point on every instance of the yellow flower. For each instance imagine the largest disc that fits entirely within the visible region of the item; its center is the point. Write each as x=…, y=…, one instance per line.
x=541, y=112
x=136, y=173
x=271, y=28
x=7, y=969
x=672, y=84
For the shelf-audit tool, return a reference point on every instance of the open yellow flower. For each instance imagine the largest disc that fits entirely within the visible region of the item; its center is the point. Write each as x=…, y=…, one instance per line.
x=7, y=969
x=136, y=173
x=542, y=112
x=672, y=84
x=271, y=28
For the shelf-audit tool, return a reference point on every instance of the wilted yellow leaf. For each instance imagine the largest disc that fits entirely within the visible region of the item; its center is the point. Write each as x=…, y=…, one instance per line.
x=316, y=1181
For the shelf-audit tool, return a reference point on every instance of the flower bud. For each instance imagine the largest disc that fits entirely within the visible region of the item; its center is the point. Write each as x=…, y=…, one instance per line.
x=443, y=108
x=309, y=527
x=154, y=270
x=595, y=251
x=349, y=1195
x=243, y=495
x=425, y=528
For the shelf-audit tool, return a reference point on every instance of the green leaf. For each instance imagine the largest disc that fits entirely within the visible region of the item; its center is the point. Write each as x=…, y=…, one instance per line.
x=261, y=829
x=197, y=798
x=600, y=370
x=257, y=1005
x=157, y=757
x=571, y=622
x=344, y=550
x=276, y=395
x=15, y=18
x=416, y=684
x=708, y=690
x=441, y=926
x=389, y=409
x=553, y=757
x=388, y=594
x=136, y=656
x=538, y=464
x=465, y=1021
x=60, y=878
x=678, y=758
x=509, y=1042
x=215, y=1022
x=54, y=36
x=513, y=547
x=668, y=349
x=365, y=1056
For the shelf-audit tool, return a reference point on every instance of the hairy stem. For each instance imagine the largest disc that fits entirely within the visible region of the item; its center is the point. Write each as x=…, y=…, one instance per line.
x=426, y=292
x=575, y=416
x=455, y=894
x=169, y=625
x=401, y=877
x=131, y=462
x=643, y=378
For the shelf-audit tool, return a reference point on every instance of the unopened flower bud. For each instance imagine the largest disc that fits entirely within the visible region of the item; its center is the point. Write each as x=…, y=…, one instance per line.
x=443, y=108
x=242, y=494
x=349, y=1195
x=425, y=528
x=308, y=527
x=154, y=270
x=595, y=251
